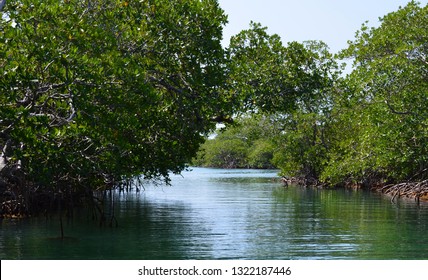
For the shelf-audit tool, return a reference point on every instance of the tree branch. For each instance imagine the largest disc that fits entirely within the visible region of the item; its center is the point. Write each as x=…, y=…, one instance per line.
x=2, y=4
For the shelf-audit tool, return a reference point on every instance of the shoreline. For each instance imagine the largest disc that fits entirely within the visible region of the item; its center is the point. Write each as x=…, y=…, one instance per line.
x=412, y=190
x=417, y=191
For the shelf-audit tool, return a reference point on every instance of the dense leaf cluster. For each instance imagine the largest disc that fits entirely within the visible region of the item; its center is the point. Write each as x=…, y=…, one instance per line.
x=246, y=144
x=366, y=128
x=94, y=93
x=291, y=86
x=380, y=118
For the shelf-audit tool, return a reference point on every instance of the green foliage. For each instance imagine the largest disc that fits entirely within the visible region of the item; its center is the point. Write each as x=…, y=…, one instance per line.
x=227, y=153
x=367, y=128
x=247, y=144
x=268, y=77
x=381, y=119
x=96, y=92
x=295, y=84
x=302, y=147
x=261, y=154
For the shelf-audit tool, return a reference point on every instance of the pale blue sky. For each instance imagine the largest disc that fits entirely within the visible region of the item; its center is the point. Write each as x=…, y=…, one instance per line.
x=332, y=21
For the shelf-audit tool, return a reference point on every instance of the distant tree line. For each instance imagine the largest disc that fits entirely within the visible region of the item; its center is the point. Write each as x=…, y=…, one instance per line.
x=248, y=143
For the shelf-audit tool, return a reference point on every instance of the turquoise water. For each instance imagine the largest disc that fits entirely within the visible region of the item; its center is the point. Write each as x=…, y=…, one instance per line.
x=231, y=214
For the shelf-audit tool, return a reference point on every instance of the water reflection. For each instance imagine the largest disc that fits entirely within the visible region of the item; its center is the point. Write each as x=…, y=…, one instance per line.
x=355, y=224
x=231, y=214
x=162, y=230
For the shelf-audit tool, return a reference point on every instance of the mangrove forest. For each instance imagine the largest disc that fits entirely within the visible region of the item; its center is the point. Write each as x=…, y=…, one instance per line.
x=99, y=95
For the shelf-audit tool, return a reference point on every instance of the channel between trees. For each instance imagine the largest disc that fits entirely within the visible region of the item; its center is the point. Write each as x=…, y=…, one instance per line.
x=97, y=96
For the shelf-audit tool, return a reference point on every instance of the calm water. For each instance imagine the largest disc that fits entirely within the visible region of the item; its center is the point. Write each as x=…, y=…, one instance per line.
x=231, y=214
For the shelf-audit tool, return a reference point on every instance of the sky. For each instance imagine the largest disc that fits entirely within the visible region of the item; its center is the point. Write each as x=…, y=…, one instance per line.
x=332, y=21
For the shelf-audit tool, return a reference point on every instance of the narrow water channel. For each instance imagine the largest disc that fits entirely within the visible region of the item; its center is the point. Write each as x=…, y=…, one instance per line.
x=231, y=214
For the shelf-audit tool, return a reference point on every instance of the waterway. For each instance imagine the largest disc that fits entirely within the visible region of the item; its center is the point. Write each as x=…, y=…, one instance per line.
x=230, y=214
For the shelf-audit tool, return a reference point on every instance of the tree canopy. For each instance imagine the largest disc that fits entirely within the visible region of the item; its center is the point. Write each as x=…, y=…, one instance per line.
x=381, y=116
x=291, y=84
x=366, y=128
x=267, y=76
x=94, y=93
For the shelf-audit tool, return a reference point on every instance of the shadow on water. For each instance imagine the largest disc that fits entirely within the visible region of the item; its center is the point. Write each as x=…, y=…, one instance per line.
x=63, y=239
x=342, y=224
x=147, y=230
x=223, y=214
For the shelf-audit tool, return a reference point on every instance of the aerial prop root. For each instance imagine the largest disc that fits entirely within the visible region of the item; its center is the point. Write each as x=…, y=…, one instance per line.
x=416, y=190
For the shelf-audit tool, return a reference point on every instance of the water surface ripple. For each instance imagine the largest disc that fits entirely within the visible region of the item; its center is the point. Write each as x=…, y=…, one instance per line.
x=231, y=214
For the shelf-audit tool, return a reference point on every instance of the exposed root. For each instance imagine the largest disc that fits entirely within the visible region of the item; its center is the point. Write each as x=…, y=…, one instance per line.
x=414, y=190
x=301, y=181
